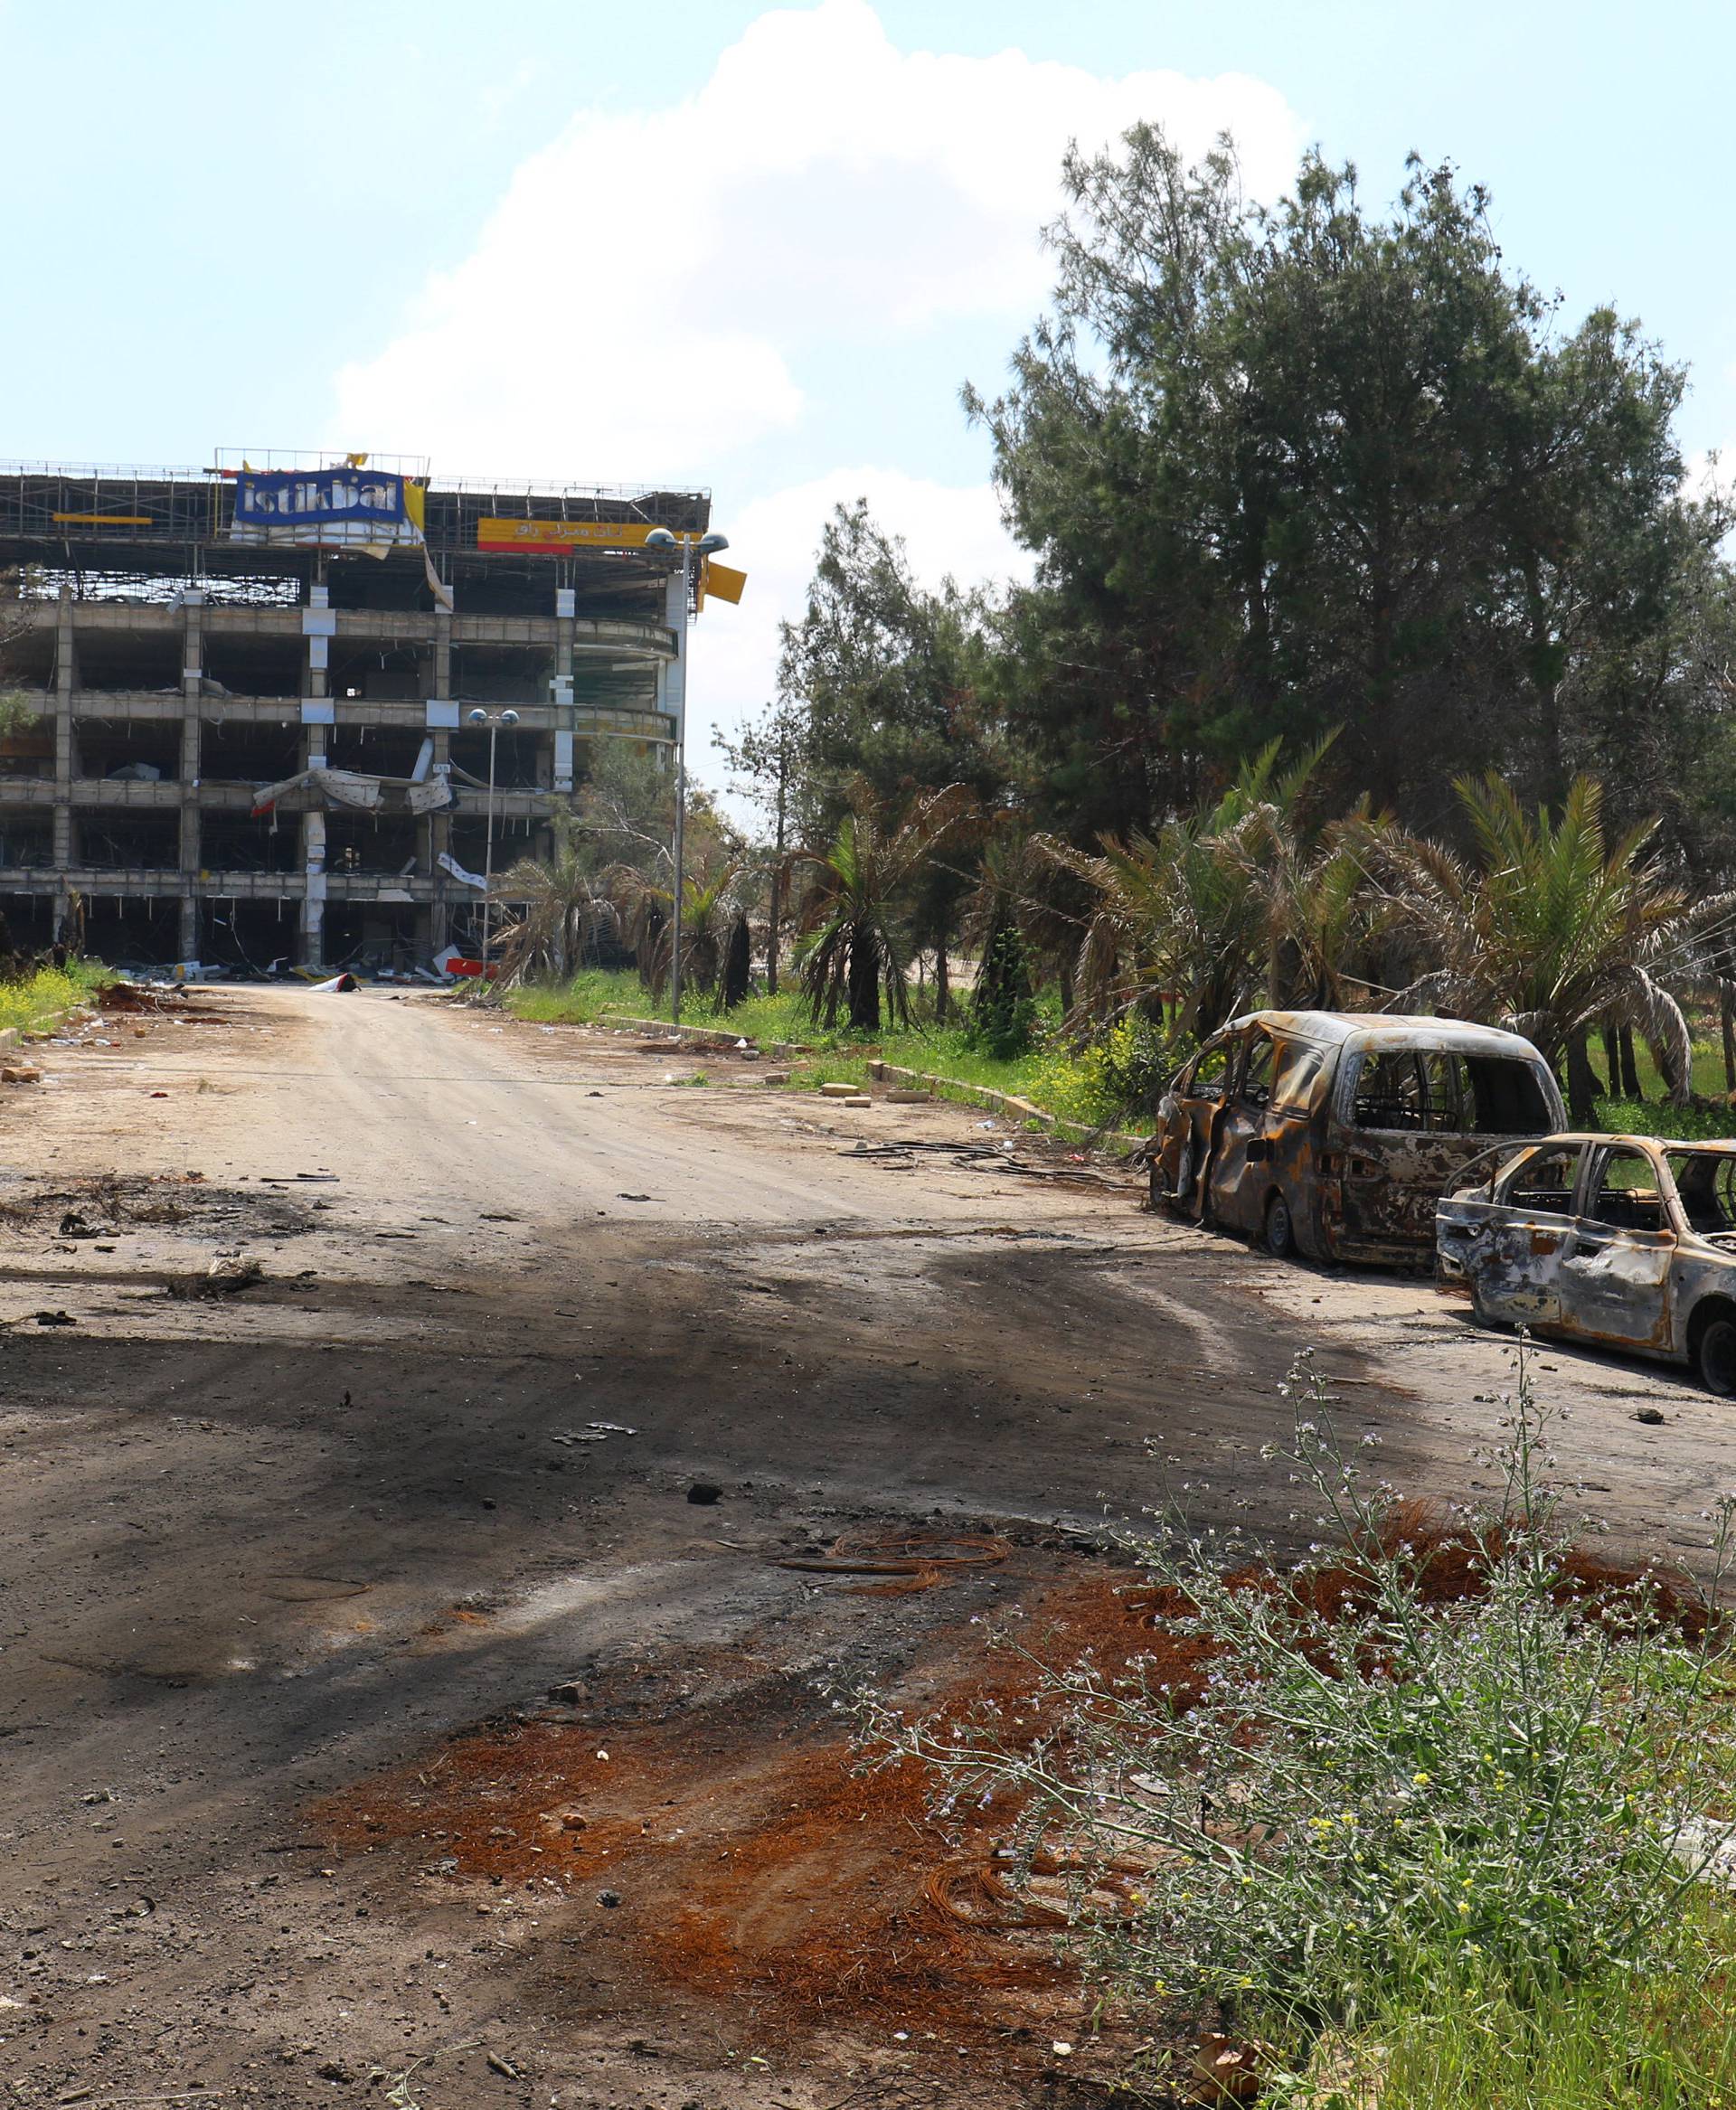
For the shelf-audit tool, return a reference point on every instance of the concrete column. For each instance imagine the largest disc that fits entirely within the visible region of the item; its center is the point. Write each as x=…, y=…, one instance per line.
x=313, y=751
x=66, y=676
x=672, y=673
x=193, y=669
x=439, y=825
x=442, y=667
x=561, y=776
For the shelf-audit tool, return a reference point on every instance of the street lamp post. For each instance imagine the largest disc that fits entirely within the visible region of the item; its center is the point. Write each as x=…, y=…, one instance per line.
x=494, y=720
x=706, y=546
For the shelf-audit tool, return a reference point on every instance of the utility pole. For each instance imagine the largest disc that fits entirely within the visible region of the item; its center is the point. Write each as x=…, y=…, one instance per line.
x=494, y=720
x=663, y=539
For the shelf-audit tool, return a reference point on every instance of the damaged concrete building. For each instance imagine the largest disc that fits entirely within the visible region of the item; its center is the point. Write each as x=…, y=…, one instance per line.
x=240, y=719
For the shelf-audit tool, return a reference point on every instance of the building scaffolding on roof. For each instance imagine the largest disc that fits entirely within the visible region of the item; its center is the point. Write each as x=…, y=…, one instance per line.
x=189, y=637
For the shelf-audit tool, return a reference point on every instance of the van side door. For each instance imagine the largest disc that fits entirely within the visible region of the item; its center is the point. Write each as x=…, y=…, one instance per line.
x=1189, y=1111
x=1240, y=1171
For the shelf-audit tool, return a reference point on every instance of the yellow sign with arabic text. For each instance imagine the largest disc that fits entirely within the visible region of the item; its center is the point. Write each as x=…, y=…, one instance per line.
x=556, y=537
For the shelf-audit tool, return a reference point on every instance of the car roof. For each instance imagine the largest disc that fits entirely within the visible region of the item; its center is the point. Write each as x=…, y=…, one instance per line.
x=1716, y=1145
x=1396, y=1030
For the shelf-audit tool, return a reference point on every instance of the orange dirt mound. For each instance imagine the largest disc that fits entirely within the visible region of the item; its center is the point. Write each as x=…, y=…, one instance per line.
x=757, y=1862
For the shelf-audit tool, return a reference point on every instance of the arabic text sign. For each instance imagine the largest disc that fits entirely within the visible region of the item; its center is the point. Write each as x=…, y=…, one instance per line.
x=558, y=536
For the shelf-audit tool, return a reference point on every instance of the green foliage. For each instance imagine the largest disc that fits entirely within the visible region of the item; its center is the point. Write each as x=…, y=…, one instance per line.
x=1248, y=900
x=18, y=713
x=50, y=992
x=1555, y=929
x=1003, y=1006
x=1679, y=1124
x=852, y=943
x=1113, y=1081
x=1666, y=2041
x=1369, y=1790
x=1315, y=465
x=884, y=674
x=564, y=909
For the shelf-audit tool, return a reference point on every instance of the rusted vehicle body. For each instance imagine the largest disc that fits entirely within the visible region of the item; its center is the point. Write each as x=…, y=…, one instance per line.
x=1621, y=1240
x=1334, y=1134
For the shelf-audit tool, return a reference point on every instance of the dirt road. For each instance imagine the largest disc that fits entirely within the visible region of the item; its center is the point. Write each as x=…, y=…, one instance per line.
x=321, y=1602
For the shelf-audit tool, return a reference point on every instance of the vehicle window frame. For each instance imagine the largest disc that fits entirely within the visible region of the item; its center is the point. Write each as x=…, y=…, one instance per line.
x=1310, y=1062
x=1256, y=1038
x=1231, y=1045
x=1371, y=1058
x=1545, y=1148
x=1591, y=1171
x=1676, y=1207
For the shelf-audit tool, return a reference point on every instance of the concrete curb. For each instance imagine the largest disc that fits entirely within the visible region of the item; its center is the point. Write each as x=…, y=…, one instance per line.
x=685, y=1036
x=703, y=1036
x=992, y=1101
x=945, y=1088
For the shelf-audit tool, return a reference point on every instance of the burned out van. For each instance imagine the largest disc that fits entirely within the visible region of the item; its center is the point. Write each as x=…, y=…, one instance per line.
x=1334, y=1134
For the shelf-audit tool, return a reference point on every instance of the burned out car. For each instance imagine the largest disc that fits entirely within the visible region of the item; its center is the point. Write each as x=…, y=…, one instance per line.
x=1334, y=1134
x=1621, y=1240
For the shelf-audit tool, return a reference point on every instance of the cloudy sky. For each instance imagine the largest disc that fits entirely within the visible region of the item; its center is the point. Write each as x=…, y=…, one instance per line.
x=752, y=249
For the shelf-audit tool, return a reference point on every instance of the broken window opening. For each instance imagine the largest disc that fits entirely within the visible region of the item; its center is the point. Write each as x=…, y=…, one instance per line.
x=1625, y=1195
x=1506, y=1097
x=1546, y=1181
x=1211, y=1078
x=1257, y=1074
x=1706, y=1184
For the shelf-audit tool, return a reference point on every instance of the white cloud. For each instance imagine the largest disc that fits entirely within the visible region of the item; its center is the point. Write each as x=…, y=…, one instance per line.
x=641, y=303
x=659, y=293
x=947, y=529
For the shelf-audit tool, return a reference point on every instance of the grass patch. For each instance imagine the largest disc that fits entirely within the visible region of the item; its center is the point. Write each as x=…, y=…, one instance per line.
x=1667, y=2043
x=1082, y=1087
x=46, y=996
x=1658, y=1117
x=1430, y=1811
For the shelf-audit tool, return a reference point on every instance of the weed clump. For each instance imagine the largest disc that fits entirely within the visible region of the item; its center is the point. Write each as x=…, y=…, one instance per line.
x=1456, y=1756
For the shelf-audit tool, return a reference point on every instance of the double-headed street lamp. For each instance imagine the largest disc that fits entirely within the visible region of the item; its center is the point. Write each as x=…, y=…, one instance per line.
x=494, y=720
x=704, y=546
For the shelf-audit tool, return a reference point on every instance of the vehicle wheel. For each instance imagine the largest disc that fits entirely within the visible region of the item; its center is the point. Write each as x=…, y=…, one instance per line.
x=1714, y=1354
x=1280, y=1232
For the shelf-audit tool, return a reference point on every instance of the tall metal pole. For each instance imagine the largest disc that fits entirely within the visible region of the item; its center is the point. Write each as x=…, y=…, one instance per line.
x=488, y=854
x=681, y=779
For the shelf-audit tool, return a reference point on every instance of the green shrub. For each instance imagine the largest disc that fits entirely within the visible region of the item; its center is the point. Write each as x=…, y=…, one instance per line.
x=1693, y=1124
x=1114, y=1079
x=1002, y=1015
x=1367, y=1790
x=50, y=992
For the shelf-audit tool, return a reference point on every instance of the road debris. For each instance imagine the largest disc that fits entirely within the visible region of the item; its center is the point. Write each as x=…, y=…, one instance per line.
x=900, y=1553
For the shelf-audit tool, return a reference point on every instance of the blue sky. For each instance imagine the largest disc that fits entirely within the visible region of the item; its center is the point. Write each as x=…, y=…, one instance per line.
x=753, y=248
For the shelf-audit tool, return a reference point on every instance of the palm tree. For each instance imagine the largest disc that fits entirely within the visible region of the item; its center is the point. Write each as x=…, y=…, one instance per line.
x=1219, y=904
x=1022, y=889
x=1552, y=931
x=566, y=912
x=708, y=908
x=850, y=943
